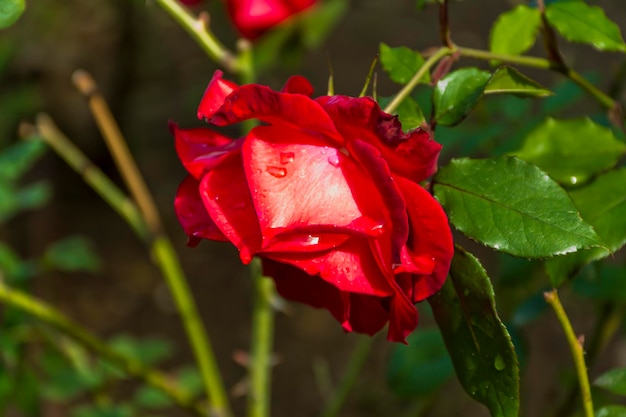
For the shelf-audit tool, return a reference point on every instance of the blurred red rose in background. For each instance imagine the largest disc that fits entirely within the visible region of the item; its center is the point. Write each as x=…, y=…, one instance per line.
x=253, y=17
x=326, y=192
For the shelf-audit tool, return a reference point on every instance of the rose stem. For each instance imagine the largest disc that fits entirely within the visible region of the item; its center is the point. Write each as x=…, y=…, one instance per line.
x=414, y=81
x=162, y=253
x=49, y=315
x=576, y=346
x=357, y=360
x=198, y=28
x=261, y=342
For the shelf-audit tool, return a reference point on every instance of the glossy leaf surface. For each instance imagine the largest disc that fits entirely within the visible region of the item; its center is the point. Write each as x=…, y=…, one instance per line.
x=508, y=80
x=613, y=381
x=512, y=206
x=576, y=21
x=571, y=151
x=457, y=93
x=603, y=205
x=478, y=342
x=515, y=31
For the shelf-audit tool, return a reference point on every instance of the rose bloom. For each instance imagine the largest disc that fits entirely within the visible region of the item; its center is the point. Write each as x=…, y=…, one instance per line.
x=252, y=18
x=326, y=191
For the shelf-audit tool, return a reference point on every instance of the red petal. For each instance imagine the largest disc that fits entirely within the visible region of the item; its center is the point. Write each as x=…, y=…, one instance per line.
x=297, y=84
x=301, y=185
x=402, y=318
x=367, y=313
x=412, y=155
x=294, y=284
x=253, y=17
x=214, y=95
x=349, y=267
x=254, y=101
x=201, y=149
x=192, y=214
x=225, y=194
x=430, y=238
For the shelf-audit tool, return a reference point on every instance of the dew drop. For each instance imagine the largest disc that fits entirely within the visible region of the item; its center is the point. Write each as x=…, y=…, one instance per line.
x=573, y=180
x=277, y=172
x=333, y=160
x=286, y=157
x=498, y=363
x=311, y=240
x=378, y=230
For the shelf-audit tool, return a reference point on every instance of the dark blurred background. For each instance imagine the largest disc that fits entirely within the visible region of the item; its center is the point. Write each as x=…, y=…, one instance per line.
x=150, y=71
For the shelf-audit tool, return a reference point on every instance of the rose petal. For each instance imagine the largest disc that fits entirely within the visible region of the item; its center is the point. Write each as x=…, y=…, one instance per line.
x=350, y=267
x=402, y=318
x=192, y=214
x=214, y=95
x=201, y=149
x=367, y=313
x=253, y=17
x=297, y=84
x=225, y=194
x=290, y=110
x=296, y=285
x=300, y=183
x=412, y=155
x=430, y=238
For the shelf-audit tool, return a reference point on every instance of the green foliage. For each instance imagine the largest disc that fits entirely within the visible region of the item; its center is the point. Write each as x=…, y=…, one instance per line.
x=511, y=206
x=457, y=93
x=515, y=31
x=71, y=254
x=612, y=411
x=603, y=205
x=409, y=112
x=478, y=342
x=571, y=151
x=605, y=283
x=10, y=11
x=613, y=381
x=576, y=21
x=421, y=367
x=508, y=80
x=401, y=63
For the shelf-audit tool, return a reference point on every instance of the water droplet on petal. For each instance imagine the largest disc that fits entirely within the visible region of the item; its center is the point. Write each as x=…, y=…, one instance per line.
x=378, y=230
x=286, y=157
x=312, y=240
x=499, y=363
x=277, y=172
x=333, y=160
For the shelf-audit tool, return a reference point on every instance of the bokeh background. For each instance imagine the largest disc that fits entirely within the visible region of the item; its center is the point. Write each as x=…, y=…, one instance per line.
x=151, y=71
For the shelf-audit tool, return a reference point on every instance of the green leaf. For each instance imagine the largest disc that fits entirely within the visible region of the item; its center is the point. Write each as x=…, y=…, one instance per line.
x=478, y=342
x=72, y=254
x=571, y=151
x=421, y=367
x=147, y=351
x=104, y=410
x=20, y=157
x=401, y=63
x=612, y=411
x=515, y=31
x=576, y=21
x=512, y=206
x=457, y=93
x=10, y=11
x=507, y=80
x=603, y=205
x=613, y=381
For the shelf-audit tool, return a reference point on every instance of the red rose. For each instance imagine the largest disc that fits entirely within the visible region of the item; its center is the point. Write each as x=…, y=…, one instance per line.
x=190, y=2
x=253, y=17
x=327, y=193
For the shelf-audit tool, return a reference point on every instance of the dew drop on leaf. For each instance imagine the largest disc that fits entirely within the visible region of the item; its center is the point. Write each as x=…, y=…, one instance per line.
x=277, y=172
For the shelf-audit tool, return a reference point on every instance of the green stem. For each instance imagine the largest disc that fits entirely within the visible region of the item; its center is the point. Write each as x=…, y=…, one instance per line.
x=60, y=322
x=552, y=298
x=542, y=63
x=413, y=82
x=199, y=30
x=163, y=255
x=261, y=343
x=357, y=360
